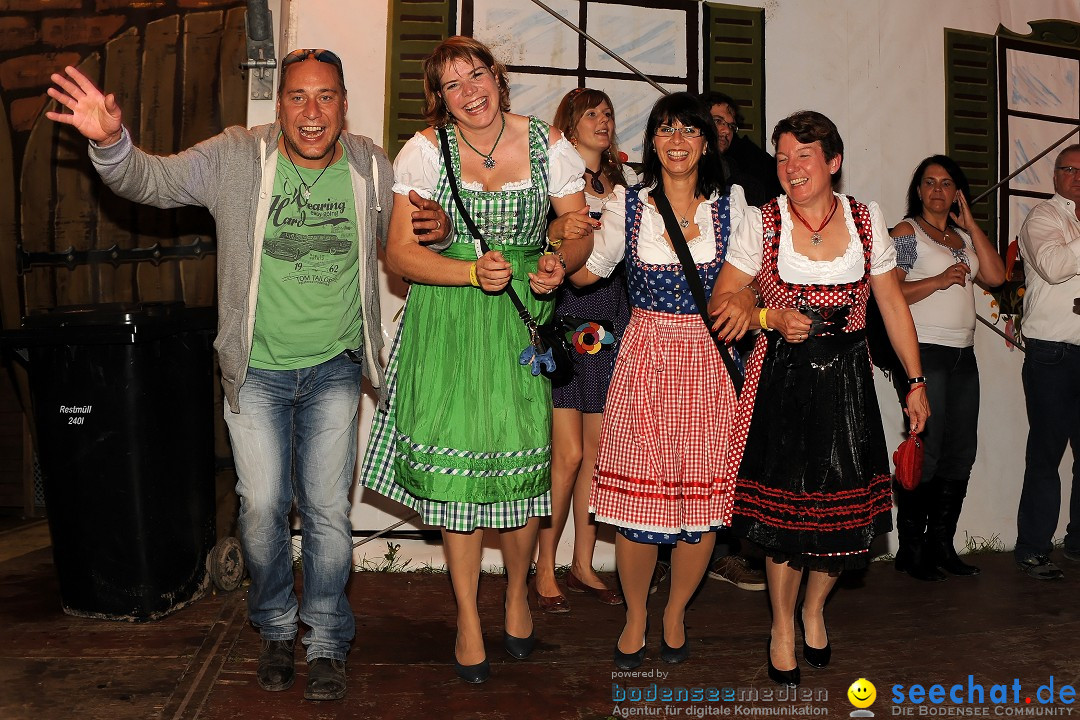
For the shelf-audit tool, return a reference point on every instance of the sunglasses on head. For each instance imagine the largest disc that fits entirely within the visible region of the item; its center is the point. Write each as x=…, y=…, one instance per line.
x=325, y=56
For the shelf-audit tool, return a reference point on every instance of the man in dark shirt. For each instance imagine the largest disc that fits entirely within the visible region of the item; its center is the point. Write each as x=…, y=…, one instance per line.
x=745, y=164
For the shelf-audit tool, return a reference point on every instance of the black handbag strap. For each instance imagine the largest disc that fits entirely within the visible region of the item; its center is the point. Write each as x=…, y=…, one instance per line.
x=693, y=280
x=523, y=312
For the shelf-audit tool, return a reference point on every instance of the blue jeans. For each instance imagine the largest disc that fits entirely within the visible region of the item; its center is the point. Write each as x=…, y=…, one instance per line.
x=1052, y=393
x=295, y=436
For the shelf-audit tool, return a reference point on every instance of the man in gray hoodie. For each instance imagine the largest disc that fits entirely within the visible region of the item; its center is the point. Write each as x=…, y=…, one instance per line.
x=300, y=208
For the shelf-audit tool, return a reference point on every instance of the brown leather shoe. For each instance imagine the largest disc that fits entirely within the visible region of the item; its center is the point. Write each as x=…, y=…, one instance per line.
x=603, y=594
x=554, y=604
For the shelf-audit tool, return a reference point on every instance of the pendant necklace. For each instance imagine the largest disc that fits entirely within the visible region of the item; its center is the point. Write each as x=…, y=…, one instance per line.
x=959, y=254
x=305, y=189
x=489, y=162
x=684, y=221
x=944, y=233
x=596, y=183
x=815, y=235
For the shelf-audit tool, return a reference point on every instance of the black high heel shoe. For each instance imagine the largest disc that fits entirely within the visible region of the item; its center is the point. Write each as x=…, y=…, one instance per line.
x=629, y=661
x=790, y=678
x=815, y=657
x=519, y=648
x=474, y=674
x=675, y=655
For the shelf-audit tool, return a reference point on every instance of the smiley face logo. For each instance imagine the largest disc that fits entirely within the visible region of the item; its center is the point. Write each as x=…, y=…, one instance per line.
x=862, y=693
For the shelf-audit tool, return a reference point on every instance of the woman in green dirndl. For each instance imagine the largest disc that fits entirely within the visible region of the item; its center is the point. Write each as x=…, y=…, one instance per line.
x=466, y=437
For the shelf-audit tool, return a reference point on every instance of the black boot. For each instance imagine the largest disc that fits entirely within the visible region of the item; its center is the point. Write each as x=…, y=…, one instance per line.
x=911, y=556
x=942, y=517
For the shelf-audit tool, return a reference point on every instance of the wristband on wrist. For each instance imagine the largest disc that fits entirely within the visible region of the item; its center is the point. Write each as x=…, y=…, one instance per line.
x=761, y=318
x=913, y=389
x=920, y=380
x=473, y=280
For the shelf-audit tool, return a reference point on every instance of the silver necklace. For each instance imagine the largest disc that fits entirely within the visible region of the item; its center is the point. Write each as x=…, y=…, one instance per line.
x=684, y=221
x=305, y=189
x=489, y=162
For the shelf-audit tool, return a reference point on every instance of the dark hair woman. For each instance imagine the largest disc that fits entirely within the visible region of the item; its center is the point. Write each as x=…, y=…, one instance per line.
x=940, y=253
x=661, y=469
x=813, y=483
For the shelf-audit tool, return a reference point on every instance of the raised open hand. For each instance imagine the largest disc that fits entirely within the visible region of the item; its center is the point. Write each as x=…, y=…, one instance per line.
x=93, y=114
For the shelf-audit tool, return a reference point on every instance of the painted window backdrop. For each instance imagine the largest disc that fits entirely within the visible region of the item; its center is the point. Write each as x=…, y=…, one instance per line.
x=1040, y=100
x=547, y=59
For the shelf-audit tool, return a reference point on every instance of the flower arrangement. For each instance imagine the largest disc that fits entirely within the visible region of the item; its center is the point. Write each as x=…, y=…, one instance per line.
x=1008, y=302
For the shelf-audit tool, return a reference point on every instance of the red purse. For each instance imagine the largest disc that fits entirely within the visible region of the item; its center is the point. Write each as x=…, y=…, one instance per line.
x=908, y=459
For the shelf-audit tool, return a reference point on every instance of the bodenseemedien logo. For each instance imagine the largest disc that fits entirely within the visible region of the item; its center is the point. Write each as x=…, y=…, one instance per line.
x=862, y=694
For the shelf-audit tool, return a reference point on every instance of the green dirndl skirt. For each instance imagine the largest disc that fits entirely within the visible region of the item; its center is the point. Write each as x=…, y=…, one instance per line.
x=465, y=439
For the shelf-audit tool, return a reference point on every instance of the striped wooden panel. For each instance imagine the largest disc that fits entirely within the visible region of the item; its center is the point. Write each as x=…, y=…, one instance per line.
x=10, y=306
x=232, y=98
x=735, y=62
x=199, y=119
x=157, y=134
x=10, y=317
x=416, y=28
x=971, y=135
x=114, y=227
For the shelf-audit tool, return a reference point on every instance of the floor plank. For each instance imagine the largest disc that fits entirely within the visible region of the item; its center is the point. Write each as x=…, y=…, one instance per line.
x=199, y=662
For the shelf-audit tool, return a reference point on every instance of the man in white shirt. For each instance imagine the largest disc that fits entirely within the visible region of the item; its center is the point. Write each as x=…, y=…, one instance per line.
x=1050, y=246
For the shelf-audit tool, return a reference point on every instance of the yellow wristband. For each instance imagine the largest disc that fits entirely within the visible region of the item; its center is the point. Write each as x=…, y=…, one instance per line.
x=761, y=318
x=473, y=280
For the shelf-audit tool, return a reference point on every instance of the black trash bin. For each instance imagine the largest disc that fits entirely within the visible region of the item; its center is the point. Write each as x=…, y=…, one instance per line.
x=123, y=407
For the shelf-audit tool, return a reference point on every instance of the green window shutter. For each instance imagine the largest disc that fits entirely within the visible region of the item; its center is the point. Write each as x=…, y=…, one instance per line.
x=971, y=136
x=416, y=28
x=734, y=49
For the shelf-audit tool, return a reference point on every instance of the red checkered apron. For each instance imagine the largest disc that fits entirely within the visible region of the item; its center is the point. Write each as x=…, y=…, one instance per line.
x=662, y=458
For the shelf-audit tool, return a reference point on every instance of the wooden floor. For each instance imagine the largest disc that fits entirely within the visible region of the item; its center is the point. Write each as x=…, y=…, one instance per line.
x=199, y=662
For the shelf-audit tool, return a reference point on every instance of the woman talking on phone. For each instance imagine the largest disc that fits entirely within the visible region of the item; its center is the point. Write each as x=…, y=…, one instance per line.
x=940, y=252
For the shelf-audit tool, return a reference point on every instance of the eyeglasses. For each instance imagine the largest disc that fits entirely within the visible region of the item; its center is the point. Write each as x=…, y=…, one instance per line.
x=686, y=131
x=722, y=123
x=1068, y=169
x=325, y=56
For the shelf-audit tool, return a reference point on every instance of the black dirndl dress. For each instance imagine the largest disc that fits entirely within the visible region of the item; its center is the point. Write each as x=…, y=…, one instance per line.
x=813, y=485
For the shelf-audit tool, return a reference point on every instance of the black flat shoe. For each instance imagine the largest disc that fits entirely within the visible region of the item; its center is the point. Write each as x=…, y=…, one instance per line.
x=519, y=648
x=629, y=661
x=675, y=655
x=815, y=657
x=474, y=674
x=781, y=677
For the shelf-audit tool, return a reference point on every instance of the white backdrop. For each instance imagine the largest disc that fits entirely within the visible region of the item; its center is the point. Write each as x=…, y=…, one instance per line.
x=876, y=67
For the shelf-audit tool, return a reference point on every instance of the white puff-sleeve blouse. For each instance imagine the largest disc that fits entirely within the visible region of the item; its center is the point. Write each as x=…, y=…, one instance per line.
x=418, y=164
x=609, y=242
x=747, y=248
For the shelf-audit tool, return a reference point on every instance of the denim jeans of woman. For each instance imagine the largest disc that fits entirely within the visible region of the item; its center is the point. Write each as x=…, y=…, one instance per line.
x=295, y=438
x=927, y=516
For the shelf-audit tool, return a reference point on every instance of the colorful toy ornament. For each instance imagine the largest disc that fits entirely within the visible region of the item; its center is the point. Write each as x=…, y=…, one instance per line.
x=589, y=338
x=538, y=361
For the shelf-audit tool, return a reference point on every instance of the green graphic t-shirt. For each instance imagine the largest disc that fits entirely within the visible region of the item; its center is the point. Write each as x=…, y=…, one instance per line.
x=308, y=309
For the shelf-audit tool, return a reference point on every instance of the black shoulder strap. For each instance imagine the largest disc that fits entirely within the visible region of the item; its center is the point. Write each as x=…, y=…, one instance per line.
x=693, y=280
x=523, y=312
